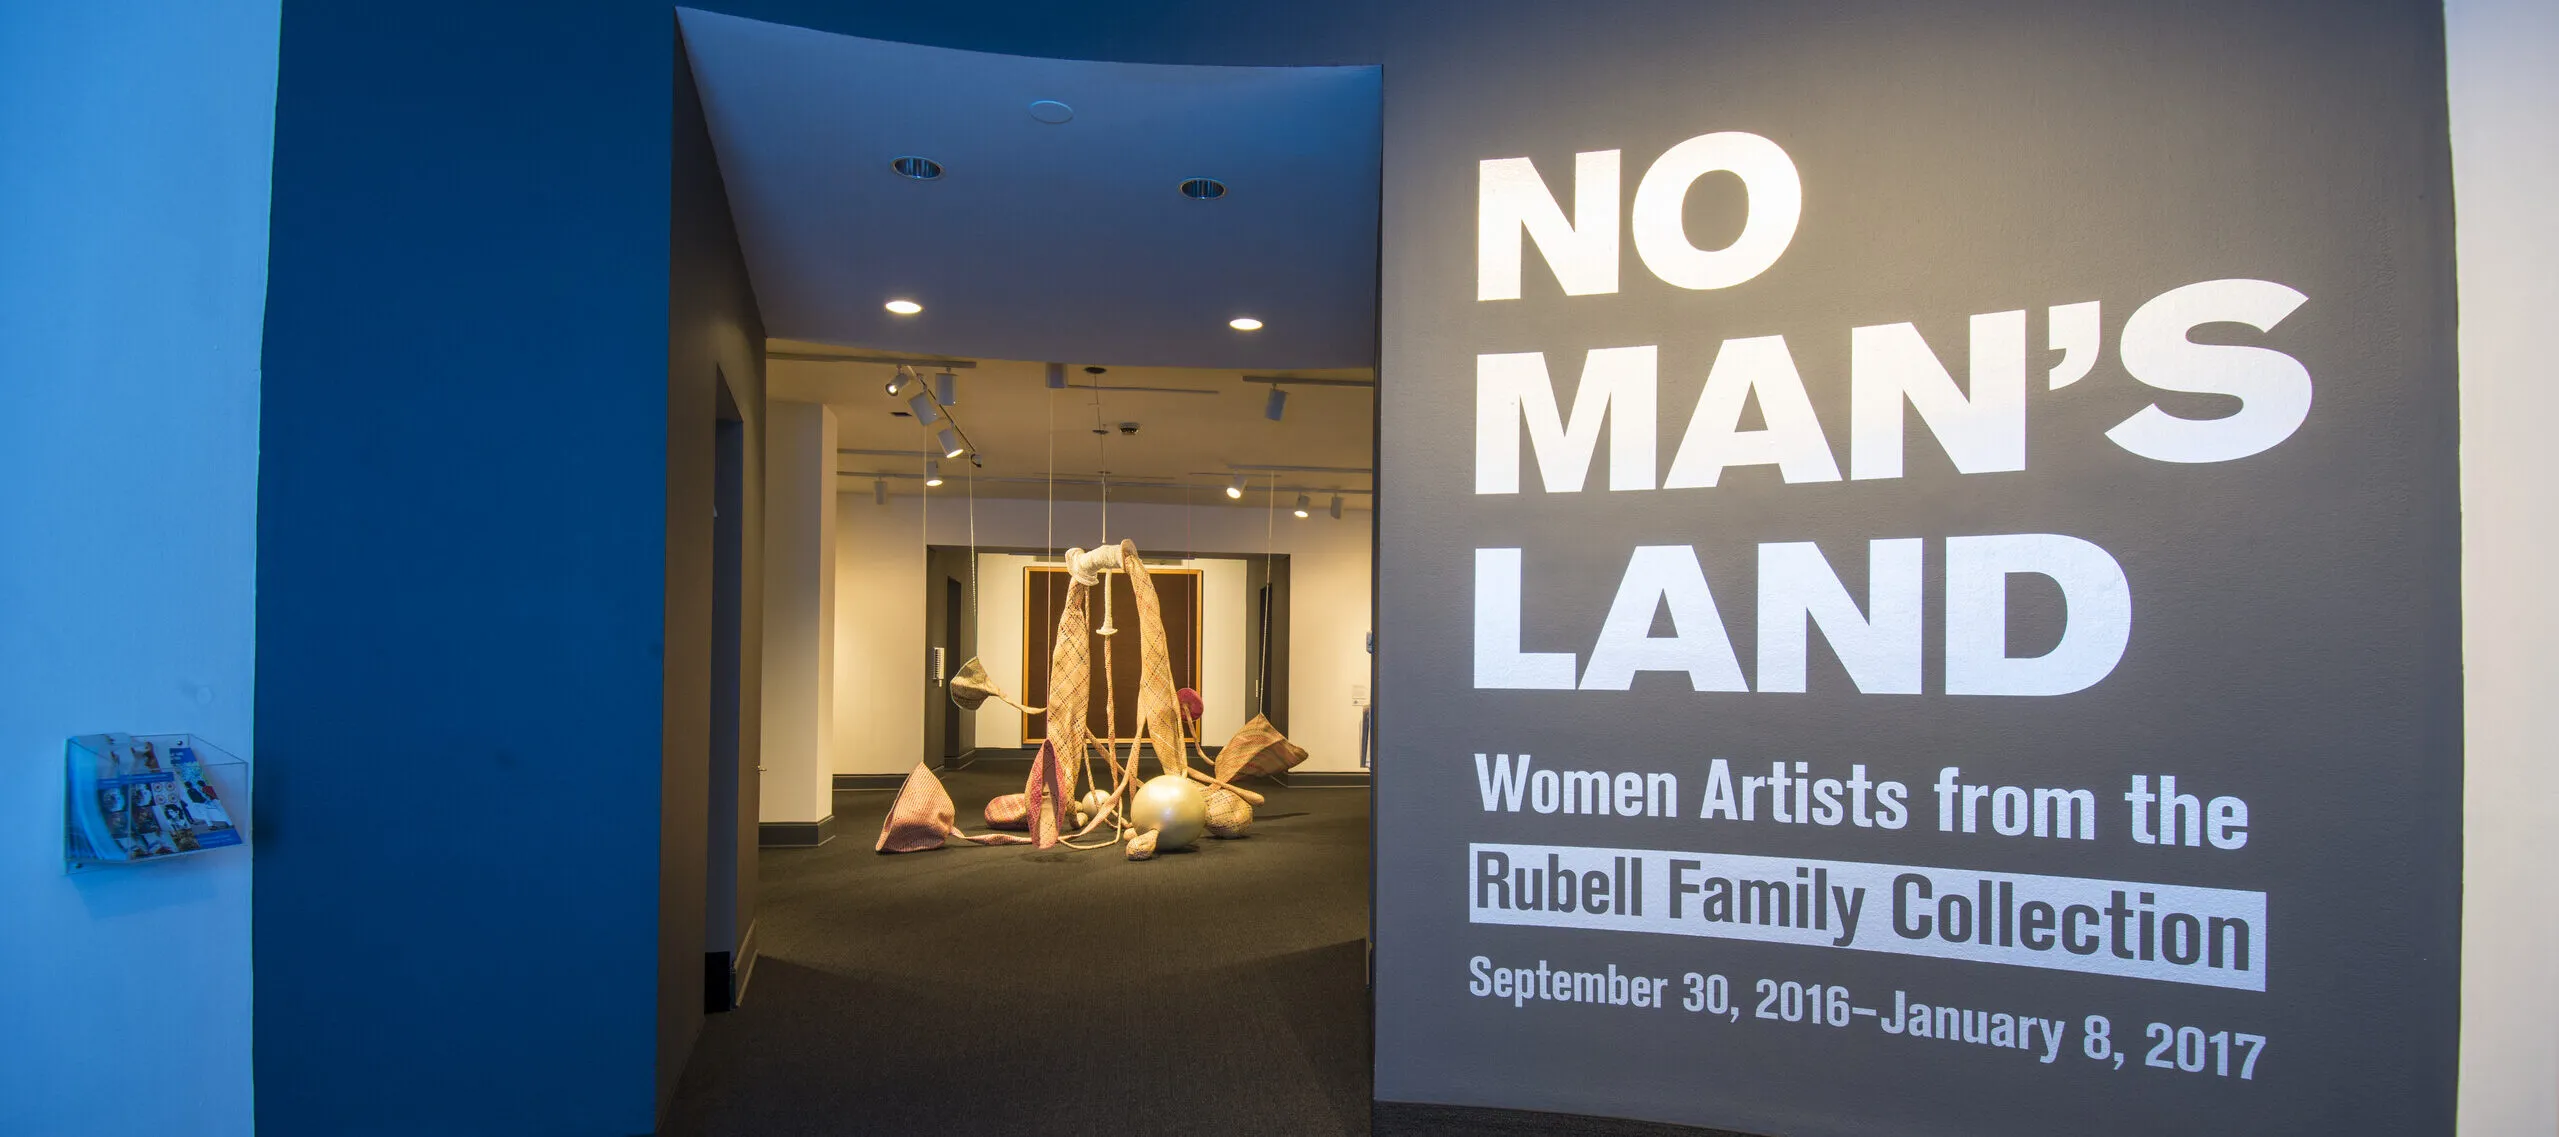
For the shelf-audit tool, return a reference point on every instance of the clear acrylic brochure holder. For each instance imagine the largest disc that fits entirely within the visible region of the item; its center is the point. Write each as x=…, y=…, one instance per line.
x=139, y=799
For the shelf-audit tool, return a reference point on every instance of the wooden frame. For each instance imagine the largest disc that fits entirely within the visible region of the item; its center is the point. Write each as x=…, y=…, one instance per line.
x=1036, y=639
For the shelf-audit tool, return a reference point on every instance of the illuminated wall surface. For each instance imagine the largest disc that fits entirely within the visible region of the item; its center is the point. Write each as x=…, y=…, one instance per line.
x=2063, y=404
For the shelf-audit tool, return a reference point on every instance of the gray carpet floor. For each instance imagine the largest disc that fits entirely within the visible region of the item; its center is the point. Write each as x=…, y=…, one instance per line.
x=1005, y=990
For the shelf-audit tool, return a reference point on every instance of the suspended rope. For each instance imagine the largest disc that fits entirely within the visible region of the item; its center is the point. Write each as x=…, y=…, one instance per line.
x=1270, y=596
x=1051, y=548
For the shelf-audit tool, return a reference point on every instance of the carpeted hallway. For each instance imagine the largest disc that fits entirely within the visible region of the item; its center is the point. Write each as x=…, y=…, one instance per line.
x=1003, y=990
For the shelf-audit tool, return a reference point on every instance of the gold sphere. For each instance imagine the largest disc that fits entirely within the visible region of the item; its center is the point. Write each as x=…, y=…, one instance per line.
x=1090, y=806
x=1171, y=807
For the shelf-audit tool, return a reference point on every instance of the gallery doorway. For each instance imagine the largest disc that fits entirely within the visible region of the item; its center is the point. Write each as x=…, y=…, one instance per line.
x=1069, y=464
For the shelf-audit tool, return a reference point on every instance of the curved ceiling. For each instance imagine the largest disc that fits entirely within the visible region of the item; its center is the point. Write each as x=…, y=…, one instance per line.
x=1066, y=241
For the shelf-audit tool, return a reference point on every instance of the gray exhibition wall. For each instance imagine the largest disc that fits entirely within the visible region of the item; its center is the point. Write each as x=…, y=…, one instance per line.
x=2251, y=589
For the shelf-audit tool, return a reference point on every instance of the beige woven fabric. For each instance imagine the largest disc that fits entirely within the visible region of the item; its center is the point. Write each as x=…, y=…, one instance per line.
x=1257, y=749
x=1159, y=709
x=971, y=687
x=1050, y=789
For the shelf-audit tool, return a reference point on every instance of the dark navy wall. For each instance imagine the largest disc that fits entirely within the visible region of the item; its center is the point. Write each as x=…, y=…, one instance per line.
x=471, y=612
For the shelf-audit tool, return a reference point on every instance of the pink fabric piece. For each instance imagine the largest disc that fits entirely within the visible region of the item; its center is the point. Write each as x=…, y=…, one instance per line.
x=922, y=818
x=1011, y=811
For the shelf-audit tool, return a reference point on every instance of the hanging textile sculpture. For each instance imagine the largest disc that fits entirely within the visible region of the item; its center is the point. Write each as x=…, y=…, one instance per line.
x=1167, y=812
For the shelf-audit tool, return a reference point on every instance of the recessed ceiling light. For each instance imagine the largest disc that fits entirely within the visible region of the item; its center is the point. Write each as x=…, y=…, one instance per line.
x=903, y=307
x=1203, y=189
x=1051, y=111
x=916, y=166
x=1245, y=324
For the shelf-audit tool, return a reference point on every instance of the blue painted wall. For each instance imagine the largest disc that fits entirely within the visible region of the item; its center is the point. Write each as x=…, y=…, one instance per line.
x=463, y=541
x=134, y=147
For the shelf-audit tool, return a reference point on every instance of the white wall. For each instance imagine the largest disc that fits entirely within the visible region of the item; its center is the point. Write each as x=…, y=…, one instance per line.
x=880, y=639
x=1000, y=598
x=2505, y=153
x=879, y=635
x=799, y=613
x=135, y=146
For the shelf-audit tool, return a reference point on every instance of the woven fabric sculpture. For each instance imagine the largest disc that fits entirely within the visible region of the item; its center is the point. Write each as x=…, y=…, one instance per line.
x=1159, y=709
x=922, y=818
x=1259, y=749
x=972, y=687
x=1229, y=815
x=1049, y=793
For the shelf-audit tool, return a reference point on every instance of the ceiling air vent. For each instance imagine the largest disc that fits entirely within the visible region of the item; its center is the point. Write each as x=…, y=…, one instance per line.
x=1203, y=189
x=916, y=166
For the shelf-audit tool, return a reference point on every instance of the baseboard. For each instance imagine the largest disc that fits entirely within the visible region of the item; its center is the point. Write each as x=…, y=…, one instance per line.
x=1413, y=1119
x=790, y=834
x=725, y=975
x=869, y=781
x=1324, y=779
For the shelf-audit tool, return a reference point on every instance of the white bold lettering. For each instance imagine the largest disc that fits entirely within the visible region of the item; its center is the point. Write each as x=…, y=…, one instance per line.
x=1514, y=393
x=2273, y=388
x=1982, y=432
x=1793, y=439
x=1659, y=575
x=2097, y=625
x=1511, y=199
x=1880, y=648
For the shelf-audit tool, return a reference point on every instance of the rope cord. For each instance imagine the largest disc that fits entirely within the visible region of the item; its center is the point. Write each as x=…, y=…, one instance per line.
x=1270, y=596
x=1052, y=486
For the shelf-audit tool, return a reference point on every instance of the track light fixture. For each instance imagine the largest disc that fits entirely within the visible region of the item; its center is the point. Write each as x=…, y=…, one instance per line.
x=950, y=440
x=946, y=389
x=1303, y=505
x=932, y=472
x=1336, y=511
x=1235, y=487
x=1278, y=404
x=1057, y=376
x=880, y=491
x=899, y=382
x=922, y=407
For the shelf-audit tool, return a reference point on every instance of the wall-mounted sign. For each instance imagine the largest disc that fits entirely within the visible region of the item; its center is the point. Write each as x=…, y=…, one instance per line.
x=1920, y=582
